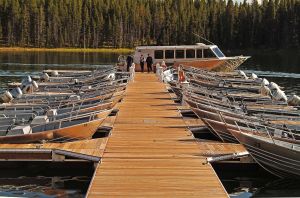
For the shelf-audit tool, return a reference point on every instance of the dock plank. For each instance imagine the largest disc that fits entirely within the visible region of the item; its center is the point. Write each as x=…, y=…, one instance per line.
x=151, y=152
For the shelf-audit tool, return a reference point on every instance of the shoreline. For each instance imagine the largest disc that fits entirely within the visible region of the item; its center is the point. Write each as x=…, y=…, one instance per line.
x=79, y=50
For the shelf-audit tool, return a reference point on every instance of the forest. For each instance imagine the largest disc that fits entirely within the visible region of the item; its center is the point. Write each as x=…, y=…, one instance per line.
x=271, y=24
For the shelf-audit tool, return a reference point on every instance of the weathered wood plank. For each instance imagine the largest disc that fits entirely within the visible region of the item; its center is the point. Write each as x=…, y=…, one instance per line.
x=151, y=153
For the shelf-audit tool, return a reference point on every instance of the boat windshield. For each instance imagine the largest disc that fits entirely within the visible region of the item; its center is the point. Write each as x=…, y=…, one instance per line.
x=218, y=52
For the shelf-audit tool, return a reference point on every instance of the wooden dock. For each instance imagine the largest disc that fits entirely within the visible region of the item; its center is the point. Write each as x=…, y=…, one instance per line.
x=151, y=153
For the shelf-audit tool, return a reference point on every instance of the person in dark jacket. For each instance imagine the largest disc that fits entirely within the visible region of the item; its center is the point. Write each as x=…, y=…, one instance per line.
x=129, y=61
x=149, y=62
x=142, y=62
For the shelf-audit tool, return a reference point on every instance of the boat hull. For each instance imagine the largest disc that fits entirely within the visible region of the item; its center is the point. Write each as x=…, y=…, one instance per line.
x=217, y=127
x=75, y=132
x=278, y=160
x=212, y=64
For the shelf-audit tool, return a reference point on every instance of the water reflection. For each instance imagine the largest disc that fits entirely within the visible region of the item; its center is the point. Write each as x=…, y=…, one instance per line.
x=15, y=65
x=37, y=58
x=279, y=188
x=44, y=186
x=250, y=180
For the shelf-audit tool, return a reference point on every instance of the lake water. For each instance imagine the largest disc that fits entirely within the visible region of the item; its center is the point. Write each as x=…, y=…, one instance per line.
x=282, y=68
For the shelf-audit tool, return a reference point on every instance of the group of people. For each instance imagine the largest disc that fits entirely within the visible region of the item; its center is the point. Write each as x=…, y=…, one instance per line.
x=148, y=60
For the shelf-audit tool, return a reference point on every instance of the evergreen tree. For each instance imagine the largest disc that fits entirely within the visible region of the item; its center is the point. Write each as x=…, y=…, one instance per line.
x=127, y=23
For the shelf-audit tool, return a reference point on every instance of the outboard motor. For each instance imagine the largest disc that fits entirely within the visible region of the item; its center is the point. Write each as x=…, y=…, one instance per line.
x=54, y=73
x=279, y=95
x=16, y=92
x=25, y=81
x=265, y=91
x=45, y=77
x=265, y=82
x=6, y=97
x=273, y=86
x=29, y=88
x=167, y=76
x=253, y=76
x=294, y=100
x=241, y=73
x=35, y=85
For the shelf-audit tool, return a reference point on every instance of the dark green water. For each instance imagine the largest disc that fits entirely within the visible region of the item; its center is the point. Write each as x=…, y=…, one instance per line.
x=45, y=179
x=13, y=66
x=282, y=68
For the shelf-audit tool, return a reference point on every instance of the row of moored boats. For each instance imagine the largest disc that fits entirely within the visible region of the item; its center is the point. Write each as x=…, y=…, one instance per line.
x=59, y=105
x=242, y=108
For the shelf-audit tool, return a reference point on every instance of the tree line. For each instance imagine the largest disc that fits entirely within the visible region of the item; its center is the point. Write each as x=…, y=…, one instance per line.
x=127, y=23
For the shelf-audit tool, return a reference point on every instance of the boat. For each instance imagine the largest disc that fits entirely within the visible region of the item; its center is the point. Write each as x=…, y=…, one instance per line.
x=276, y=155
x=67, y=106
x=200, y=55
x=73, y=128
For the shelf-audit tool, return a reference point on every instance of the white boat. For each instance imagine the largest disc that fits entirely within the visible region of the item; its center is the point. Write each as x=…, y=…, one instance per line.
x=200, y=55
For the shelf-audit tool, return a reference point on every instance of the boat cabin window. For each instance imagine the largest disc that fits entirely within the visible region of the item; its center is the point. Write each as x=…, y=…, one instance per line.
x=199, y=53
x=169, y=54
x=159, y=54
x=190, y=53
x=218, y=52
x=207, y=53
x=179, y=53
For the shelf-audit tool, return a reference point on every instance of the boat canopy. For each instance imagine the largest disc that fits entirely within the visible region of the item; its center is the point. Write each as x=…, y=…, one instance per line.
x=199, y=50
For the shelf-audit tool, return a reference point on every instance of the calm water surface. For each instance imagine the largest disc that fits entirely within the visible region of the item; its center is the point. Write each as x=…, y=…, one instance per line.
x=284, y=69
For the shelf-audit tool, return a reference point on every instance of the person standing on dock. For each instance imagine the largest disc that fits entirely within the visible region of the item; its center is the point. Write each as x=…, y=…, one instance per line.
x=129, y=61
x=142, y=62
x=149, y=61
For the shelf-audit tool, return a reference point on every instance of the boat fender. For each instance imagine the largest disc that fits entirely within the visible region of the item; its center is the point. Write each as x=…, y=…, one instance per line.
x=35, y=85
x=16, y=92
x=45, y=77
x=279, y=95
x=6, y=97
x=273, y=86
x=54, y=73
x=242, y=73
x=265, y=91
x=253, y=76
x=294, y=100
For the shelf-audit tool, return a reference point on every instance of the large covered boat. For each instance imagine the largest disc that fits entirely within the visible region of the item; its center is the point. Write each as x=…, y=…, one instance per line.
x=200, y=55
